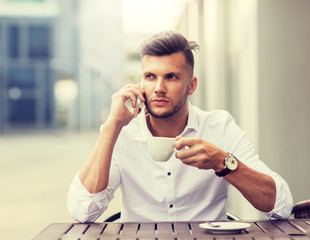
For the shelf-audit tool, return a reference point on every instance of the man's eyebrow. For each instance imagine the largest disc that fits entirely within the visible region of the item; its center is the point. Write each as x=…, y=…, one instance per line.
x=174, y=73
x=166, y=74
x=147, y=73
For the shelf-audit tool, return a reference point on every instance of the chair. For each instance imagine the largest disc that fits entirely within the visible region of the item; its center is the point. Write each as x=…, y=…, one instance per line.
x=117, y=216
x=300, y=210
x=232, y=217
x=114, y=217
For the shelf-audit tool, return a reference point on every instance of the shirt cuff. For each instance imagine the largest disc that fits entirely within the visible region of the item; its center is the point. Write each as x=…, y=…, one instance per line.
x=83, y=205
x=284, y=201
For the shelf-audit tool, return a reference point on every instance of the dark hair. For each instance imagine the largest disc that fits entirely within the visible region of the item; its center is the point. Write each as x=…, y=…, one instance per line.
x=166, y=43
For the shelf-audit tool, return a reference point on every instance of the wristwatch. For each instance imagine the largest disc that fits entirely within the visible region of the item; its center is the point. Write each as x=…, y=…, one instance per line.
x=231, y=164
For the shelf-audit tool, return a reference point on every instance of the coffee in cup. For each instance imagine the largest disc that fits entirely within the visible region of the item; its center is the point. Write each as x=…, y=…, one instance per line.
x=161, y=148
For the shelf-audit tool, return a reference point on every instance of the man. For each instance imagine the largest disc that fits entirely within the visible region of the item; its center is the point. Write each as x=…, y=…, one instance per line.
x=192, y=184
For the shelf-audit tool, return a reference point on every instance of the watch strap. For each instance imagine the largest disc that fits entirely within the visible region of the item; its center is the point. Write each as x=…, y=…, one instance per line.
x=223, y=173
x=226, y=169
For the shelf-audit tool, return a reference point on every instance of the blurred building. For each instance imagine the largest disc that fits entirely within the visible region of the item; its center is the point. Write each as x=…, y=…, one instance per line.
x=102, y=59
x=27, y=33
x=60, y=62
x=254, y=61
x=133, y=67
x=38, y=44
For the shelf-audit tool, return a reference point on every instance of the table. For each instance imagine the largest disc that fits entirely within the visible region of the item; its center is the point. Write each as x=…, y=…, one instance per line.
x=293, y=229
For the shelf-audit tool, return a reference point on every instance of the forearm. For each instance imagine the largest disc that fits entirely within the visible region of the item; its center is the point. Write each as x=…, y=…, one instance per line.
x=258, y=188
x=94, y=175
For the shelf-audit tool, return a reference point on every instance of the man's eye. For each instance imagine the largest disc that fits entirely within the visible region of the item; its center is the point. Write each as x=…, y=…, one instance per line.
x=172, y=76
x=149, y=76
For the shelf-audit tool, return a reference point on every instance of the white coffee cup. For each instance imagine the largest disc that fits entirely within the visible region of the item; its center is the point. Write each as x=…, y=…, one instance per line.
x=161, y=148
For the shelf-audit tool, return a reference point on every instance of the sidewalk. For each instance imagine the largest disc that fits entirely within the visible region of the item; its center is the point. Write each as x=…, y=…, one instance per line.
x=36, y=170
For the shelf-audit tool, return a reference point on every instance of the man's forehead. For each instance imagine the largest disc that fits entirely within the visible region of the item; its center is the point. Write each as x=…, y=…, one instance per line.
x=176, y=60
x=179, y=55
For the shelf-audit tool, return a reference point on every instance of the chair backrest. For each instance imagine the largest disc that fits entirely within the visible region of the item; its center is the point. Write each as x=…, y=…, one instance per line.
x=302, y=209
x=114, y=217
x=117, y=216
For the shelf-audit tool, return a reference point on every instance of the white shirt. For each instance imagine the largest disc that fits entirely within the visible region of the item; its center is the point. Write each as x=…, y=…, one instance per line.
x=173, y=191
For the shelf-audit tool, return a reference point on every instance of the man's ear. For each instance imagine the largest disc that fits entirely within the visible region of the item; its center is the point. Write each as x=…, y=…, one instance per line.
x=192, y=86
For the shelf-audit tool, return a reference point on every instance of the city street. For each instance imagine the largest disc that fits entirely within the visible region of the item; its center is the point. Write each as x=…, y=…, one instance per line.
x=36, y=170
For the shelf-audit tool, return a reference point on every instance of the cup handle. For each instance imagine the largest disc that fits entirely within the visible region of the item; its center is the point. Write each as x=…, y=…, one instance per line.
x=176, y=150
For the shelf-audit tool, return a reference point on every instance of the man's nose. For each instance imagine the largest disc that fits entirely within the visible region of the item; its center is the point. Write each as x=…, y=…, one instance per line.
x=160, y=86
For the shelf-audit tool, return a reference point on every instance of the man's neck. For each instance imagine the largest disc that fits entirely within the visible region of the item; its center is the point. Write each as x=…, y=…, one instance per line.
x=168, y=127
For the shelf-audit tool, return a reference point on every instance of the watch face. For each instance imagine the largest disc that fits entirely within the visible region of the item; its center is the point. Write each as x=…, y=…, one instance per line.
x=231, y=162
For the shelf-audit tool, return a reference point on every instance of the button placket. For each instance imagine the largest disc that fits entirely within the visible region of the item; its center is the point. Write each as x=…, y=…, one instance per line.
x=170, y=194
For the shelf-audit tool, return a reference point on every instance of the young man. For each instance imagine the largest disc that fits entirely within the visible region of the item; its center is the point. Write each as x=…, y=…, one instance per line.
x=192, y=184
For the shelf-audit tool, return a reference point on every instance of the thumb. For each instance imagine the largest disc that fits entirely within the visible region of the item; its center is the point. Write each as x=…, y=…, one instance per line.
x=178, y=138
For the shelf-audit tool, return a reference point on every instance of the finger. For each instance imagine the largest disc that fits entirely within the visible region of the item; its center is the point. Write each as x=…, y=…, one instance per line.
x=141, y=94
x=189, y=161
x=178, y=138
x=196, y=161
x=139, y=85
x=133, y=87
x=176, y=145
x=141, y=97
x=190, y=141
x=137, y=107
x=187, y=152
x=130, y=96
x=138, y=92
x=185, y=142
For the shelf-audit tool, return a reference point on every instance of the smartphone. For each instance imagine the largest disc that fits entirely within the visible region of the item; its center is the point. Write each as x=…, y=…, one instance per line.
x=140, y=105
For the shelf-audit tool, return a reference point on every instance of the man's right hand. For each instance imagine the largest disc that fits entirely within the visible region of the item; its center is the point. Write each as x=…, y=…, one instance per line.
x=94, y=175
x=119, y=113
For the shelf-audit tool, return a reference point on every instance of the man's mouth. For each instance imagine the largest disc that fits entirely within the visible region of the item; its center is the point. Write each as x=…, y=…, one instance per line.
x=160, y=101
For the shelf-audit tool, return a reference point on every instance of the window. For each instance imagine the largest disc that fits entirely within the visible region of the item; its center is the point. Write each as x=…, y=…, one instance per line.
x=13, y=41
x=39, y=42
x=22, y=111
x=21, y=77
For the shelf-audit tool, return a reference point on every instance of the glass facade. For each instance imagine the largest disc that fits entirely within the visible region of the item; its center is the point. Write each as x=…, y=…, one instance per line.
x=22, y=111
x=38, y=42
x=13, y=41
x=21, y=77
x=26, y=77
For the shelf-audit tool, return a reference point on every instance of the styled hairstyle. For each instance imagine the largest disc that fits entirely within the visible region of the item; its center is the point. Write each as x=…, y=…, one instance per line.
x=166, y=43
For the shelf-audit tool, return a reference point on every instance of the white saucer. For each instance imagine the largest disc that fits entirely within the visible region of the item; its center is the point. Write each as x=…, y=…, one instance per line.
x=224, y=227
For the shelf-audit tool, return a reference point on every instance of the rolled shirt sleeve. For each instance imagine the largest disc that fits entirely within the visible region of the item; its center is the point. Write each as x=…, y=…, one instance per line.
x=84, y=206
x=243, y=149
x=87, y=207
x=284, y=200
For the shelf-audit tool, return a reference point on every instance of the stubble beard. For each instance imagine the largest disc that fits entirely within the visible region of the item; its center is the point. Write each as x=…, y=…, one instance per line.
x=175, y=107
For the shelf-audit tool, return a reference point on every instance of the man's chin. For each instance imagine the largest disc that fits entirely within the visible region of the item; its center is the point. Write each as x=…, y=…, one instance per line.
x=160, y=114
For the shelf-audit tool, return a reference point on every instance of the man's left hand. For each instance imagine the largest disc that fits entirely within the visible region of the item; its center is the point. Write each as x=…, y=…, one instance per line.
x=200, y=153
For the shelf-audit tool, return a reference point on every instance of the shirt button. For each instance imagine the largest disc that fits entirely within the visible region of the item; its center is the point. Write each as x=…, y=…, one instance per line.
x=171, y=205
x=169, y=173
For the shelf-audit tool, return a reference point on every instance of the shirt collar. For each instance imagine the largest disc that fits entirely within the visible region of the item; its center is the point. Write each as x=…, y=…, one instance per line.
x=144, y=130
x=192, y=123
x=193, y=120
